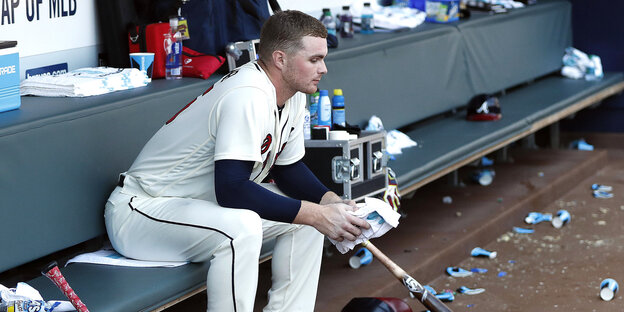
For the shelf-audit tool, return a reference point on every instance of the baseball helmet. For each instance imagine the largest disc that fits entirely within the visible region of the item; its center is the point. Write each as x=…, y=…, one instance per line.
x=483, y=107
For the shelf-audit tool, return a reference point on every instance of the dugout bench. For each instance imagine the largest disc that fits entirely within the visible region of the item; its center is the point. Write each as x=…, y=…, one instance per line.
x=62, y=156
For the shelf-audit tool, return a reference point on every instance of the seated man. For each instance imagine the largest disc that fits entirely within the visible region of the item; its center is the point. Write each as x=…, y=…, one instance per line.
x=195, y=191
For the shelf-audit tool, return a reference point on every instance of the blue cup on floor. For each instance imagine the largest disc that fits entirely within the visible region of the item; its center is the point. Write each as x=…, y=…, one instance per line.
x=480, y=252
x=143, y=61
x=362, y=257
x=608, y=289
x=562, y=217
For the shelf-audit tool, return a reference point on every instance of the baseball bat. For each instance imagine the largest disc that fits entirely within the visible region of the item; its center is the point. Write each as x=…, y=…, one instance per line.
x=54, y=274
x=418, y=291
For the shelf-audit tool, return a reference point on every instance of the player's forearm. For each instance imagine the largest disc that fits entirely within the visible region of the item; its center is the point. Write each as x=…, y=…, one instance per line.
x=309, y=214
x=297, y=181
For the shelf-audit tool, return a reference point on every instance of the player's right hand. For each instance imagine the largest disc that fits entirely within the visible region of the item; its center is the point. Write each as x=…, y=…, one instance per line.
x=335, y=222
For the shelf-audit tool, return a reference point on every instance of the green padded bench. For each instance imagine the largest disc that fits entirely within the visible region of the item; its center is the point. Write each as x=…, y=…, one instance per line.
x=61, y=158
x=450, y=142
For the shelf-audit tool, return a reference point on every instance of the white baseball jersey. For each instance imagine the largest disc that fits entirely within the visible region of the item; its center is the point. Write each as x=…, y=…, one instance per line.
x=238, y=119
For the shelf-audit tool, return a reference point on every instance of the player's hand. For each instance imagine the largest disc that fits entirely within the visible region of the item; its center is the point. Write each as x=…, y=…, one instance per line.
x=336, y=223
x=352, y=206
x=331, y=198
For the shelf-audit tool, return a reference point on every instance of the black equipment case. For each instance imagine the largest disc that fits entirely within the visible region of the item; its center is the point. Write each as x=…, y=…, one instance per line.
x=352, y=169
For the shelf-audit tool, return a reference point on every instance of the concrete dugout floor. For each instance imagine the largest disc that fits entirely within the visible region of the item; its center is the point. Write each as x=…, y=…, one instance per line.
x=548, y=270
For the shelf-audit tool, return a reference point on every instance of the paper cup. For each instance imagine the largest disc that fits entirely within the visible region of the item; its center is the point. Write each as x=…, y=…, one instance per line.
x=143, y=61
x=608, y=289
x=362, y=257
x=339, y=135
x=562, y=217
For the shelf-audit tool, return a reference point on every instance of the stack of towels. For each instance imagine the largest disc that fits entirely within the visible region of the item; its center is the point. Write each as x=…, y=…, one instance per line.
x=85, y=82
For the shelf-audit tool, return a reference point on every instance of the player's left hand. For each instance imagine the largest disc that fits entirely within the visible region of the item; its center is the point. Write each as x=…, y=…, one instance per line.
x=332, y=198
x=351, y=205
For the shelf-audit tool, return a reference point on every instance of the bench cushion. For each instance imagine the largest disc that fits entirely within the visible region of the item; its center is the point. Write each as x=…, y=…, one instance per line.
x=112, y=289
x=105, y=288
x=446, y=141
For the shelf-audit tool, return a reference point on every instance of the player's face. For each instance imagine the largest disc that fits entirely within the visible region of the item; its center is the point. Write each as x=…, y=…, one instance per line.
x=304, y=69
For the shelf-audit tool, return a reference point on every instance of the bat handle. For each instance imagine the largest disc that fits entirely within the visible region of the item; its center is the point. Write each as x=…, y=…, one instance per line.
x=426, y=298
x=54, y=274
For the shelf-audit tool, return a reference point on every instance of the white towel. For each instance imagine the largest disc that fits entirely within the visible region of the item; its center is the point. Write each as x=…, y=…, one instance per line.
x=391, y=17
x=85, y=82
x=397, y=140
x=378, y=214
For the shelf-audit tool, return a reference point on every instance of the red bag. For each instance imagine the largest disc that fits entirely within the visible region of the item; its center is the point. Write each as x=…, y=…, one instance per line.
x=195, y=64
x=151, y=38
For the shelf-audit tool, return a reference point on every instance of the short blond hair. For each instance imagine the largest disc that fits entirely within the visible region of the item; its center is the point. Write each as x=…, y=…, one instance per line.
x=284, y=30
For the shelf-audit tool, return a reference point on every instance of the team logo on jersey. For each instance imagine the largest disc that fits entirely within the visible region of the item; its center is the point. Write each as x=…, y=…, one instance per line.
x=266, y=143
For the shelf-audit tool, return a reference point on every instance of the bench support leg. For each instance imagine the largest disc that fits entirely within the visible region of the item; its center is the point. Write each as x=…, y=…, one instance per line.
x=453, y=178
x=555, y=139
x=529, y=141
x=502, y=155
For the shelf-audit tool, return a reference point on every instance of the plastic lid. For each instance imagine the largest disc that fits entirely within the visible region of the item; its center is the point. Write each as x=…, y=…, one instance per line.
x=323, y=92
x=337, y=91
x=354, y=262
x=345, y=7
x=366, y=4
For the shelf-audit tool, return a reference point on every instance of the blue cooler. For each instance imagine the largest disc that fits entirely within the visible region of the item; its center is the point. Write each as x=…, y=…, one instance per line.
x=442, y=11
x=9, y=76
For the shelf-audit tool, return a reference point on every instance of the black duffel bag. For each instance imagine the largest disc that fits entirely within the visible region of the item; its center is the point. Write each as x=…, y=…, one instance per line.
x=213, y=24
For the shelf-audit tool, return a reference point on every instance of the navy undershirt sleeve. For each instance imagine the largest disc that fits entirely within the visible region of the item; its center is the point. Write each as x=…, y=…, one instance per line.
x=234, y=190
x=297, y=181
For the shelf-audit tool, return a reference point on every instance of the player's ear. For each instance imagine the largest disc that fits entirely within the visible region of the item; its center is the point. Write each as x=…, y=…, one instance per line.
x=279, y=59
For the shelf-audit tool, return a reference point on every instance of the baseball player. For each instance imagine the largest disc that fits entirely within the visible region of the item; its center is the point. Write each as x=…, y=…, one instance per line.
x=196, y=192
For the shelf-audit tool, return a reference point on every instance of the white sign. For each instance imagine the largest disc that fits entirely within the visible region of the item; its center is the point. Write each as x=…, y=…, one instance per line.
x=42, y=26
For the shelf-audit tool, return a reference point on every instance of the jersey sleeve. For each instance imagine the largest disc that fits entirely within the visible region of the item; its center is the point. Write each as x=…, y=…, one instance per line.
x=295, y=147
x=241, y=120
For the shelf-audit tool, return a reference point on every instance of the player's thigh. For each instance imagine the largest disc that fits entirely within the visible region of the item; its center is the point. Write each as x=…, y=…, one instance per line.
x=183, y=229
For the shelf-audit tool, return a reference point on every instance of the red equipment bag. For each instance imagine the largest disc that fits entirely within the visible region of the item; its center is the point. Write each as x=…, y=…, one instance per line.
x=379, y=304
x=151, y=37
x=195, y=64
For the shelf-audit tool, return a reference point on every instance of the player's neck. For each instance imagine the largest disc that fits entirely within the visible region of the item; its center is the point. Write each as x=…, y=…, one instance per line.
x=282, y=92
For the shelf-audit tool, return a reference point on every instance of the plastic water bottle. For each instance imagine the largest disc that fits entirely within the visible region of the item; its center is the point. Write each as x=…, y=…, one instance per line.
x=368, y=23
x=346, y=23
x=338, y=108
x=307, y=132
x=314, y=109
x=325, y=109
x=329, y=22
x=173, y=49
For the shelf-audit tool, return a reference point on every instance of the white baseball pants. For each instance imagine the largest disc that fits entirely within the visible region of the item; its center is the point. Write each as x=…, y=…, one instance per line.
x=182, y=229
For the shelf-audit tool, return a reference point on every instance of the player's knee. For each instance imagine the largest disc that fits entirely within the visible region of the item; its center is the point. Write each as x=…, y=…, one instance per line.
x=313, y=235
x=249, y=226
